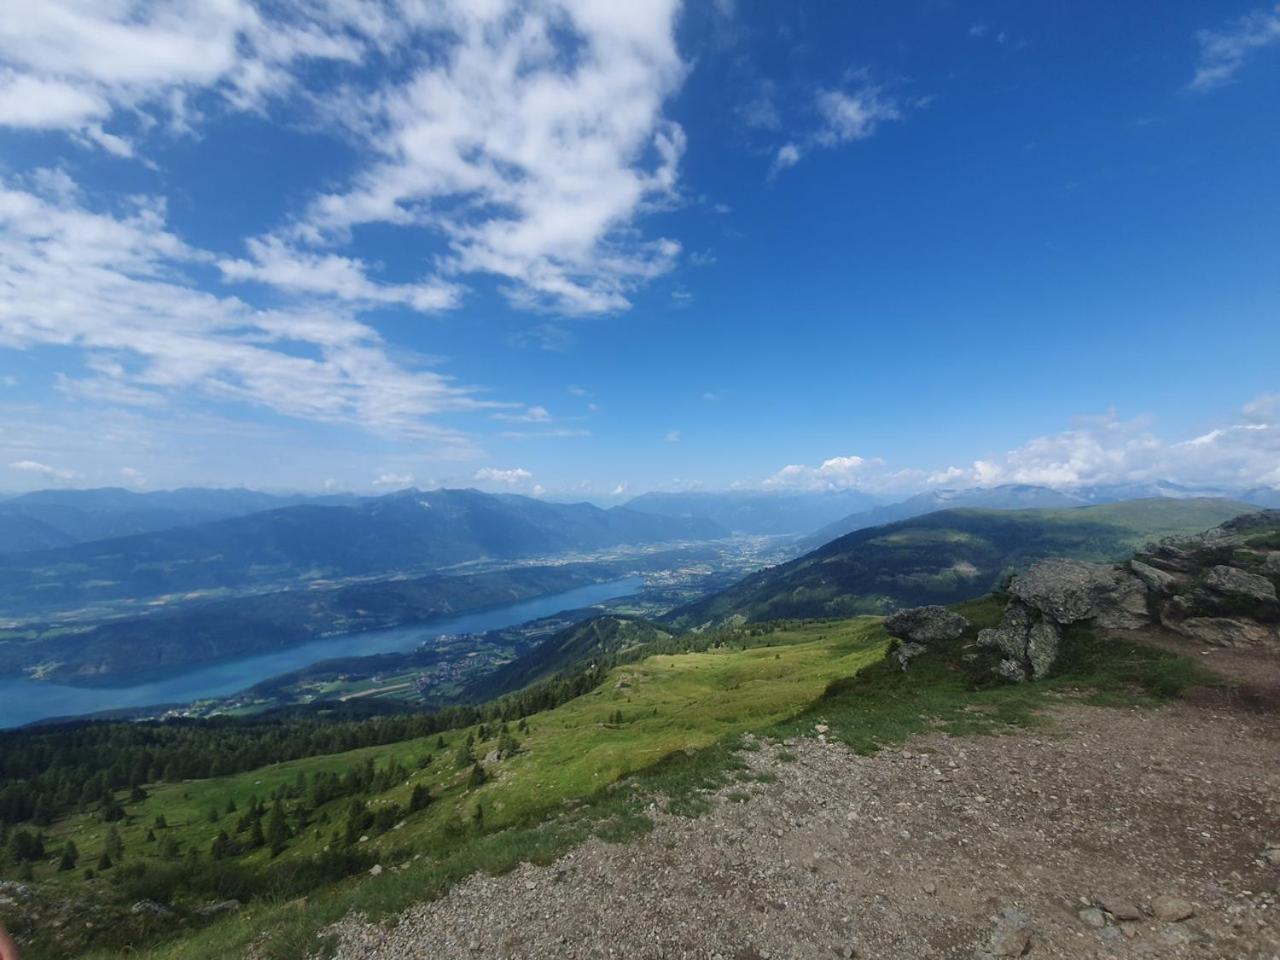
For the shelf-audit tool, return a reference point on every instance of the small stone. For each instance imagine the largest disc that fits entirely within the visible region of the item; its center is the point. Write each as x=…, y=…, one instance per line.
x=375, y=870
x=1120, y=908
x=822, y=728
x=1093, y=917
x=1172, y=909
x=1012, y=935
x=1272, y=856
x=930, y=888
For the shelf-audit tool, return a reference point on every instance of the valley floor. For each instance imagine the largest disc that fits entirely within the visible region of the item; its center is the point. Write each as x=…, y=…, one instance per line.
x=945, y=847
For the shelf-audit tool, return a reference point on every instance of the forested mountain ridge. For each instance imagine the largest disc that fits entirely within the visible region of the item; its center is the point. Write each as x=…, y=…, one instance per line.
x=395, y=534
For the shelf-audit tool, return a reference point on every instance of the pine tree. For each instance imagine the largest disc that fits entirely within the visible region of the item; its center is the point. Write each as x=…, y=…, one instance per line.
x=70, y=856
x=231, y=806
x=420, y=798
x=104, y=861
x=277, y=829
x=114, y=845
x=477, y=778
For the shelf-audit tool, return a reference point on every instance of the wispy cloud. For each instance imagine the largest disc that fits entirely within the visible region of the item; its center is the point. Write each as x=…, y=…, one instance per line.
x=527, y=141
x=511, y=480
x=853, y=111
x=43, y=470
x=1225, y=50
x=117, y=287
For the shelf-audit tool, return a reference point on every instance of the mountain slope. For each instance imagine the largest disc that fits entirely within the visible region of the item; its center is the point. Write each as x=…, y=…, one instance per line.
x=397, y=533
x=571, y=647
x=945, y=557
x=754, y=511
x=1014, y=496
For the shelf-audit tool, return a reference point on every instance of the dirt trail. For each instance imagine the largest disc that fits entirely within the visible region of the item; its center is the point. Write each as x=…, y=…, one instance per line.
x=949, y=847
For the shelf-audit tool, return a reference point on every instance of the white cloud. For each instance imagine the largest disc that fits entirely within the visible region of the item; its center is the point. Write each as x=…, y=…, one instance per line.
x=620, y=489
x=328, y=275
x=75, y=65
x=535, y=414
x=1224, y=51
x=854, y=114
x=531, y=142
x=513, y=480
x=837, y=473
x=42, y=469
x=518, y=140
x=397, y=480
x=788, y=155
x=1096, y=451
x=673, y=436
x=853, y=111
x=115, y=287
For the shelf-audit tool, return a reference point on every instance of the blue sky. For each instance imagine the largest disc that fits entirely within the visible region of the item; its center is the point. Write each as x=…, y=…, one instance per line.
x=586, y=249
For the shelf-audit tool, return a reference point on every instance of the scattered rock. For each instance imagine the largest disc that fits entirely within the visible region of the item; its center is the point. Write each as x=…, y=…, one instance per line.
x=1224, y=631
x=1171, y=909
x=1121, y=908
x=375, y=870
x=150, y=908
x=1093, y=917
x=218, y=909
x=1012, y=935
x=926, y=625
x=1272, y=856
x=821, y=728
x=907, y=652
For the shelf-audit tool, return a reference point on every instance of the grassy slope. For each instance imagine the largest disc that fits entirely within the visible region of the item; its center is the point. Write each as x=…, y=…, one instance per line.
x=947, y=557
x=671, y=704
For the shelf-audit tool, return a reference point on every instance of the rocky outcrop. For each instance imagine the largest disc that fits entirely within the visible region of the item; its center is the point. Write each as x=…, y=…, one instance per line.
x=1068, y=591
x=1219, y=587
x=919, y=627
x=1232, y=582
x=926, y=625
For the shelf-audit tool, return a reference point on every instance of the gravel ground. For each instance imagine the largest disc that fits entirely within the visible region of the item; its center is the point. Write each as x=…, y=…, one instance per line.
x=1069, y=840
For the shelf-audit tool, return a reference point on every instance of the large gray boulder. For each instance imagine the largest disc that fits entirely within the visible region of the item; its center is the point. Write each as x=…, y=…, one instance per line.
x=1233, y=582
x=1156, y=580
x=1027, y=642
x=926, y=625
x=1271, y=565
x=1226, y=631
x=1069, y=591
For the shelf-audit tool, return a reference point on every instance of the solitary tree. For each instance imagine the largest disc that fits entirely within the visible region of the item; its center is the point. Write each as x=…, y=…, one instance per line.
x=70, y=856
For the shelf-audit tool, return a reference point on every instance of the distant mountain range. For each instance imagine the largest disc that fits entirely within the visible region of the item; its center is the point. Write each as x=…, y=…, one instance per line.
x=382, y=536
x=1026, y=497
x=48, y=519
x=755, y=511
x=945, y=557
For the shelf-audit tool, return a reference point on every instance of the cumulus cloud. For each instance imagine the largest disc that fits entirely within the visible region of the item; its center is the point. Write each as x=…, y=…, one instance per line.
x=1224, y=51
x=396, y=481
x=1096, y=451
x=115, y=285
x=513, y=480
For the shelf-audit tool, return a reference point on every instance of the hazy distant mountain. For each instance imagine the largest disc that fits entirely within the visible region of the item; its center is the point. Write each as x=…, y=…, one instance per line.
x=1014, y=496
x=947, y=556
x=756, y=511
x=404, y=531
x=1262, y=496
x=47, y=519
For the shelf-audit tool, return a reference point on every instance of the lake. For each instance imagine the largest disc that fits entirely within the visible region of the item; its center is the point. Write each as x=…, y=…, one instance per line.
x=24, y=701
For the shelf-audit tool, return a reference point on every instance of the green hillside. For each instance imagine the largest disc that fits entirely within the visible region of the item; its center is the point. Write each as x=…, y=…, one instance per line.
x=341, y=814
x=576, y=644
x=946, y=557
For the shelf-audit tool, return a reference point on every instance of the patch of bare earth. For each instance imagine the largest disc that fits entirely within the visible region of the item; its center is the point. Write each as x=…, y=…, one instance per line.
x=1040, y=841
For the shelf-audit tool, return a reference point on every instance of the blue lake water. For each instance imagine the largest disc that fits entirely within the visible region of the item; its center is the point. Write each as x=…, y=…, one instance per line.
x=24, y=701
